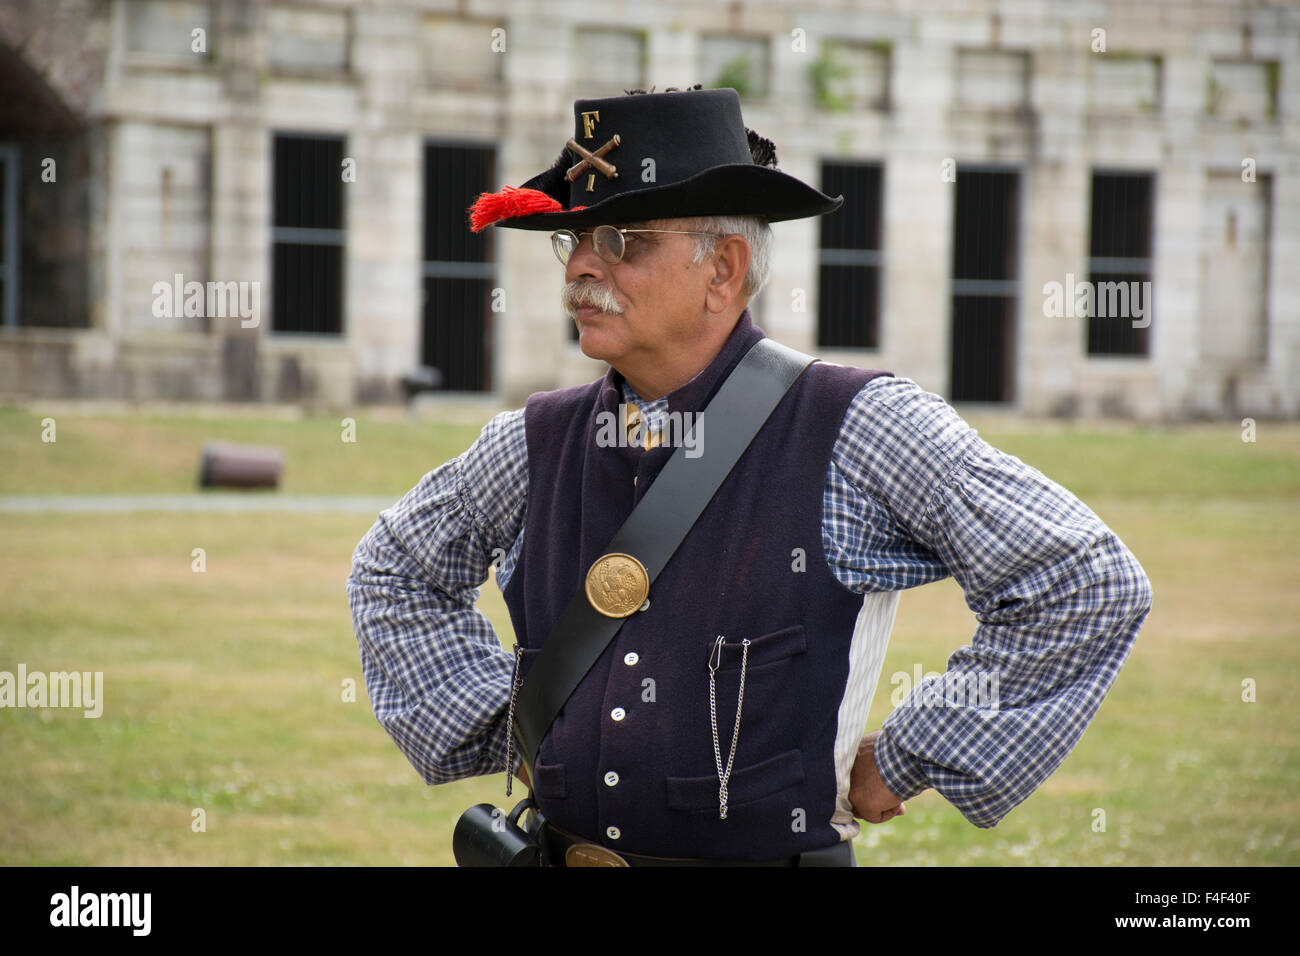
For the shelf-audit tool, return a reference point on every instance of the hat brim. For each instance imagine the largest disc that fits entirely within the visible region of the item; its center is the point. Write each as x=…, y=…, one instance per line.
x=738, y=189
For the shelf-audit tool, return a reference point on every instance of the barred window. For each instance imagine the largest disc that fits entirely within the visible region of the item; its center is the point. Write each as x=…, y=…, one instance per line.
x=308, y=235
x=458, y=272
x=1119, y=254
x=848, y=274
x=985, y=286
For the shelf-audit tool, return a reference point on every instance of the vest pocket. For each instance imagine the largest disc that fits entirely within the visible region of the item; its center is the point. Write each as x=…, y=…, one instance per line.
x=746, y=784
x=767, y=649
x=527, y=658
x=548, y=778
x=550, y=782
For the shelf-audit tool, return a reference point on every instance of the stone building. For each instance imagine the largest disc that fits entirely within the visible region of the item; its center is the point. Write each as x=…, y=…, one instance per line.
x=1083, y=208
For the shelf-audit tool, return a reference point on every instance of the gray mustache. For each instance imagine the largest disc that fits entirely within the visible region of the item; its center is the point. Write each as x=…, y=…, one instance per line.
x=578, y=293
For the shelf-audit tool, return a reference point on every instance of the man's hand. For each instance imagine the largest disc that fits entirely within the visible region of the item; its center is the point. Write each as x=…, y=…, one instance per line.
x=522, y=774
x=870, y=798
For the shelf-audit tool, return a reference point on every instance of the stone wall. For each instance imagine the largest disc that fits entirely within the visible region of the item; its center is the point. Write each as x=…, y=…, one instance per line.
x=178, y=147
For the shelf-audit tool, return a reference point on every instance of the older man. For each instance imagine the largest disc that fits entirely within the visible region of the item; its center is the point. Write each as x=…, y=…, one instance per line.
x=723, y=722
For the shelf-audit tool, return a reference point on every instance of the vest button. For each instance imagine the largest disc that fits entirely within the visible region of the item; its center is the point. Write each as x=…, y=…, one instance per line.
x=613, y=832
x=630, y=658
x=611, y=779
x=618, y=713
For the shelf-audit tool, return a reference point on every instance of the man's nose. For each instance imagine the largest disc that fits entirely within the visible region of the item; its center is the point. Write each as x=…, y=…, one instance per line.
x=584, y=263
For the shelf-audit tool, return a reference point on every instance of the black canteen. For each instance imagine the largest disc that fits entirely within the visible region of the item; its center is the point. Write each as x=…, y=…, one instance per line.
x=485, y=836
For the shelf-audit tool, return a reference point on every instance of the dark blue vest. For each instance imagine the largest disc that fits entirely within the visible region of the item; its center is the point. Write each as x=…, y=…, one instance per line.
x=629, y=762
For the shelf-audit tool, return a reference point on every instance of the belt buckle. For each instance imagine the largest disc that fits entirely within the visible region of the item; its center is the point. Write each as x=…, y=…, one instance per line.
x=589, y=854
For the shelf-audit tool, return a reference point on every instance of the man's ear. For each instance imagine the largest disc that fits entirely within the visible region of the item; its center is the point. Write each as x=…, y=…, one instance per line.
x=730, y=265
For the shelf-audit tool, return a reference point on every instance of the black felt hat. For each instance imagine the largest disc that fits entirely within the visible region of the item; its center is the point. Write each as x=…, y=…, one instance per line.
x=653, y=155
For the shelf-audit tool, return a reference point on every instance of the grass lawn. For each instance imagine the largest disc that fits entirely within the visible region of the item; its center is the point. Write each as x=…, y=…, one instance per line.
x=158, y=453
x=224, y=690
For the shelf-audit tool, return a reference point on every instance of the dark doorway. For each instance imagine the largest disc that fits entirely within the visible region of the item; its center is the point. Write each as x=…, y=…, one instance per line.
x=45, y=187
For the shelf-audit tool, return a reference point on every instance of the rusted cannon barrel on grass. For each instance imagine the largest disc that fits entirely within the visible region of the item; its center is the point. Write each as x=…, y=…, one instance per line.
x=224, y=465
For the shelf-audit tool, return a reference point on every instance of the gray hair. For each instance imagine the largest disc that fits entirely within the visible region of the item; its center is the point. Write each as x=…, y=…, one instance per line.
x=754, y=230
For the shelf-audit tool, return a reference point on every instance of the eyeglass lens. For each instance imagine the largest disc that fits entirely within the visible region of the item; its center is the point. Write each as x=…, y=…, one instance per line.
x=564, y=242
x=606, y=240
x=608, y=243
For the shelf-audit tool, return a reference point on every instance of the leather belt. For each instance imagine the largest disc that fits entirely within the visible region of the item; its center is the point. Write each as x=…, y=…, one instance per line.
x=561, y=848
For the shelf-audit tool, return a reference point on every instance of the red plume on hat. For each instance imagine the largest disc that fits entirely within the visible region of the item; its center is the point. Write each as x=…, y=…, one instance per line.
x=676, y=154
x=535, y=196
x=510, y=201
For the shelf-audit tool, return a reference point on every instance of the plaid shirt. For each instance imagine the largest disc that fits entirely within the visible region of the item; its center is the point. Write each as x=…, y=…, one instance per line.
x=913, y=495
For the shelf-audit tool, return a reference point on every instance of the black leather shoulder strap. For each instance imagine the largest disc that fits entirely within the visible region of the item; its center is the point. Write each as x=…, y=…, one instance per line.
x=655, y=529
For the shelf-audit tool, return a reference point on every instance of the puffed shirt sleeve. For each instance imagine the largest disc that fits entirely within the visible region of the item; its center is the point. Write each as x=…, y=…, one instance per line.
x=1058, y=599
x=437, y=677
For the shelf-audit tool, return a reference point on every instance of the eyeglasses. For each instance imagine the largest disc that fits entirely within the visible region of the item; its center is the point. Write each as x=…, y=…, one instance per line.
x=608, y=242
